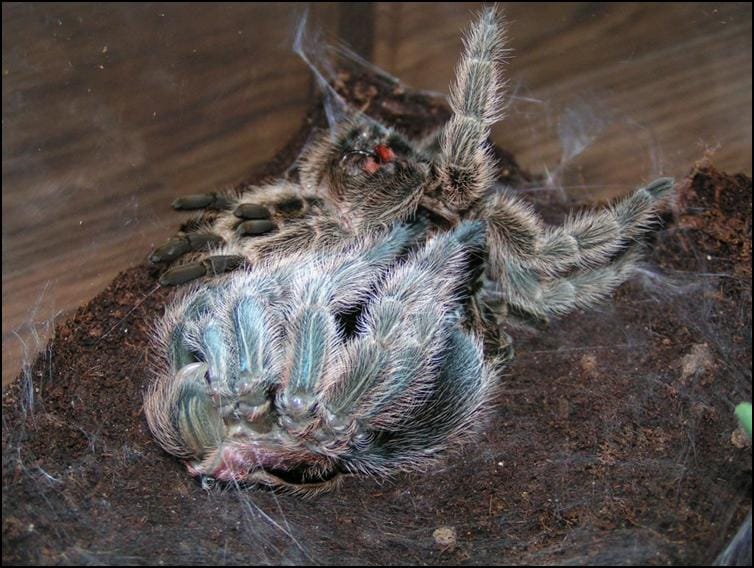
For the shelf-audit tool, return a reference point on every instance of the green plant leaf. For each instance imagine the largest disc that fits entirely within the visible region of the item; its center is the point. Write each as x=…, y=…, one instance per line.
x=743, y=413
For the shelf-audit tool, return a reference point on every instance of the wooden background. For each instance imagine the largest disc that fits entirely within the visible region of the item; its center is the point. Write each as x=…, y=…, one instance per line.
x=110, y=111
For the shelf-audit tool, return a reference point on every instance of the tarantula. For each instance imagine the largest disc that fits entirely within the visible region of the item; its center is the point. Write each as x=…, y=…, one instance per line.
x=345, y=329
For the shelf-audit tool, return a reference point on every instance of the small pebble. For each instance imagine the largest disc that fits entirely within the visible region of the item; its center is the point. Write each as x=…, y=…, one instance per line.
x=589, y=366
x=698, y=361
x=739, y=439
x=445, y=536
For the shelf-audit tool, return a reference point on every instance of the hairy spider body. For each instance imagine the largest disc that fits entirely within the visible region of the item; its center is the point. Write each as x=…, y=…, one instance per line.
x=345, y=331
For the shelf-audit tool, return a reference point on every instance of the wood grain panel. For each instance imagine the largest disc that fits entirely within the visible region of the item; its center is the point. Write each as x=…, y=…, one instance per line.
x=109, y=112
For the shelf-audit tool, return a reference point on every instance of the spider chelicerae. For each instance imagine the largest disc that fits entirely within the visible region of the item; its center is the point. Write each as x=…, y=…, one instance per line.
x=350, y=321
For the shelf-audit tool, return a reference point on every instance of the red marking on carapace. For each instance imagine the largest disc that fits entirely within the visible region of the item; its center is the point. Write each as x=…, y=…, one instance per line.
x=384, y=153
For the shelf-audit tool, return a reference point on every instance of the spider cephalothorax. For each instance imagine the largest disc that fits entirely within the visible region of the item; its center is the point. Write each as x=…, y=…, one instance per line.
x=369, y=172
x=345, y=331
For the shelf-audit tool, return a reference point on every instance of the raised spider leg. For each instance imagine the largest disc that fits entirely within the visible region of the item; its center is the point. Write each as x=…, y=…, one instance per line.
x=465, y=166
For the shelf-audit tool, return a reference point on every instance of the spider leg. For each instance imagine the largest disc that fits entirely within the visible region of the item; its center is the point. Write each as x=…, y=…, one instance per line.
x=221, y=345
x=180, y=410
x=454, y=409
x=243, y=251
x=210, y=266
x=389, y=371
x=183, y=243
x=465, y=166
x=320, y=233
x=280, y=202
x=543, y=296
x=212, y=200
x=275, y=219
x=328, y=286
x=594, y=238
x=514, y=229
x=530, y=262
x=202, y=238
x=205, y=235
x=517, y=234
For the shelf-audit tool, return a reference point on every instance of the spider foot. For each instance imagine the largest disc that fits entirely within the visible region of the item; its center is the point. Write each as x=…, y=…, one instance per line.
x=210, y=200
x=210, y=266
x=660, y=187
x=255, y=227
x=183, y=243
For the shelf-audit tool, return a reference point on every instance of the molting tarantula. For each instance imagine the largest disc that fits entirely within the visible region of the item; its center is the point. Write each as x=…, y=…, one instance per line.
x=349, y=328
